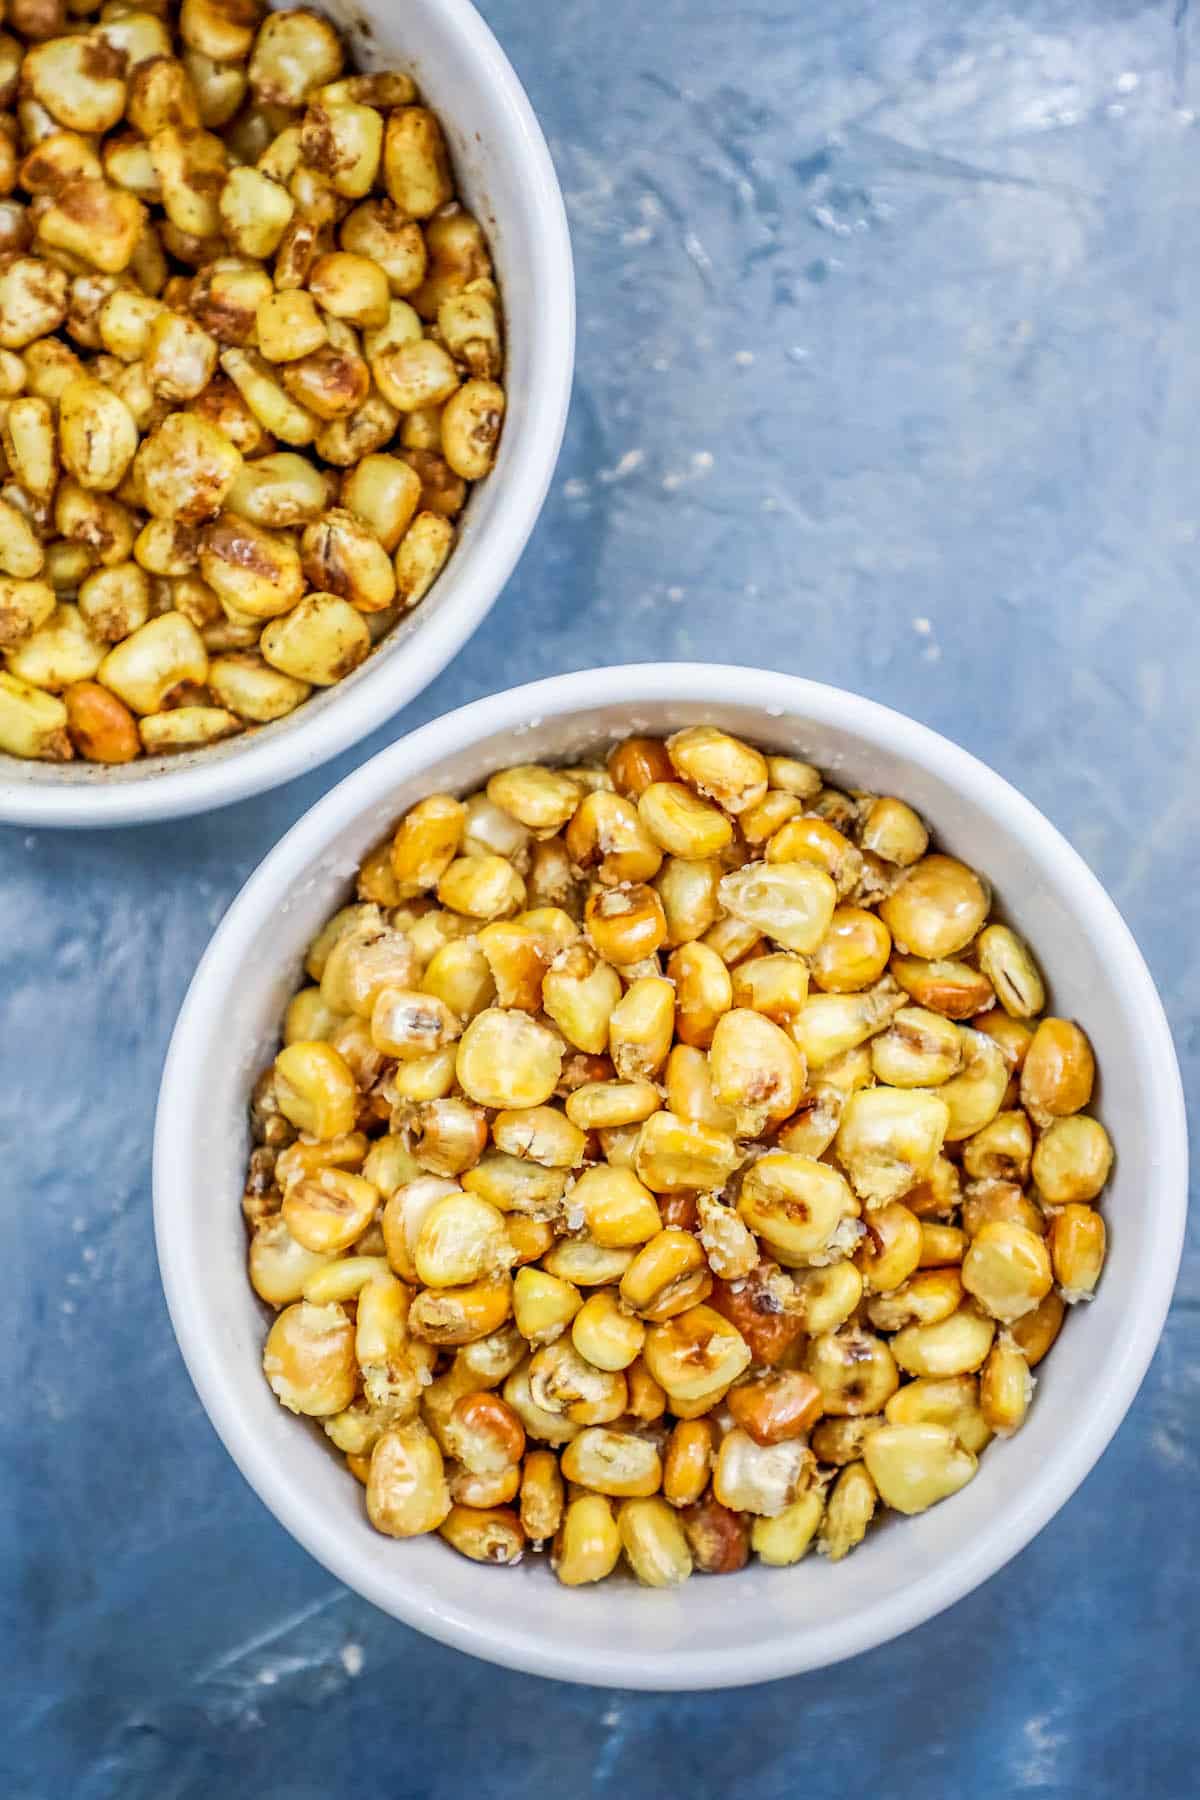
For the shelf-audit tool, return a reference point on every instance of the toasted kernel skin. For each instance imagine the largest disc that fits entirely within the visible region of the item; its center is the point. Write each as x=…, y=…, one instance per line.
x=684, y=1211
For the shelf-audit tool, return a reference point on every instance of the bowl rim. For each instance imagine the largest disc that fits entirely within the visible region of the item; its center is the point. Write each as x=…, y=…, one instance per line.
x=207, y=783
x=499, y=1638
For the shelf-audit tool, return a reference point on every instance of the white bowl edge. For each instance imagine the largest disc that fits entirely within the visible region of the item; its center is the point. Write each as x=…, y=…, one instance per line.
x=624, y=1637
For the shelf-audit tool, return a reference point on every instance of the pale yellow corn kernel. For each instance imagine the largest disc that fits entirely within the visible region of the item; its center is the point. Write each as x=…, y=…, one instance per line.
x=763, y=819
x=618, y=1211
x=483, y=1494
x=384, y=493
x=854, y=1369
x=164, y=547
x=654, y=1542
x=640, y=1027
x=828, y=1025
x=389, y=1363
x=343, y=441
x=219, y=89
x=937, y=908
x=543, y=1304
x=408, y=1024
x=540, y=1134
x=889, y=1139
x=987, y=1201
x=579, y=992
x=366, y=959
x=352, y=288
x=687, y=887
x=647, y=1400
x=689, y=1090
x=448, y=1136
x=379, y=229
x=308, y=1017
x=357, y=1430
x=891, y=1250
x=33, y=724
x=267, y=399
x=483, y=887
x=180, y=357
x=461, y=1239
x=541, y=799
x=720, y=766
x=115, y=601
x=694, y=1352
x=788, y=1536
x=849, y=1510
x=605, y=832
x=457, y=257
x=319, y=641
x=249, y=687
x=253, y=571
x=541, y=1496
x=416, y=164
x=1006, y=961
x=458, y=974
x=756, y=1069
x=12, y=374
x=618, y=1145
x=588, y=1545
x=517, y=955
x=925, y=1298
x=609, y=1105
x=1077, y=1242
x=294, y=54
x=289, y=326
x=471, y=417
x=514, y=1185
x=33, y=301
x=1007, y=1269
x=79, y=79
x=802, y=1209
x=757, y=1478
x=21, y=553
x=224, y=297
x=813, y=1126
x=1072, y=1160
x=66, y=565
x=815, y=841
x=186, y=468
x=976, y=1094
x=158, y=656
x=953, y=1346
x=93, y=224
x=389, y=1163
x=96, y=433
x=411, y=1198
x=425, y=1077
x=941, y=1245
x=28, y=441
x=561, y=1380
x=951, y=1401
x=605, y=1333
x=315, y=1089
x=280, y=1268
x=186, y=728
x=667, y=1277
x=191, y=165
x=676, y=1155
x=124, y=322
x=1001, y=1150
x=614, y=1463
x=1058, y=1072
x=426, y=843
x=345, y=920
x=682, y=824
x=470, y=329
x=505, y=1059
x=893, y=831
x=308, y=1359
x=919, y=1049
x=792, y=902
x=586, y=1264
x=255, y=212
x=828, y=1296
x=1005, y=1388
x=420, y=556
x=344, y=141
x=915, y=1466
x=406, y=1489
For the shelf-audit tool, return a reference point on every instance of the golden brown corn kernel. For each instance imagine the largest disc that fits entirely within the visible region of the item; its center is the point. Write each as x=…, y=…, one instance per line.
x=756, y=1070
x=777, y=1407
x=666, y=1277
x=579, y=992
x=619, y=1212
x=315, y=1089
x=688, y=1461
x=680, y=823
x=891, y=1250
x=1001, y=1150
x=689, y=1090
x=854, y=1370
x=308, y=1359
x=944, y=986
x=1058, y=1072
x=802, y=1210
x=889, y=1139
x=1077, y=1242
x=893, y=831
x=719, y=766
x=1005, y=1388
x=925, y=1298
x=406, y=1489
x=625, y=925
x=615, y=1463
x=694, y=1352
x=1034, y=1333
x=765, y=1308
x=541, y=1496
x=941, y=1245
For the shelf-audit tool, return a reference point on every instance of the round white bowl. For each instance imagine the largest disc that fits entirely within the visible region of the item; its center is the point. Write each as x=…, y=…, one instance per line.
x=505, y=175
x=762, y=1622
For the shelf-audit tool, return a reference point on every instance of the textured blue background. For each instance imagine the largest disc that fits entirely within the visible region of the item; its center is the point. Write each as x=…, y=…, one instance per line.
x=888, y=374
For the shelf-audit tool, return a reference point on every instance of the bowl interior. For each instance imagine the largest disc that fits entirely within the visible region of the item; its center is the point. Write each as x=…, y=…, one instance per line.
x=763, y=1621
x=504, y=174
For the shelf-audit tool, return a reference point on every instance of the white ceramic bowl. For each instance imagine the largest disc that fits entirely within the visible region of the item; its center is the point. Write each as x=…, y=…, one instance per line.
x=763, y=1622
x=505, y=174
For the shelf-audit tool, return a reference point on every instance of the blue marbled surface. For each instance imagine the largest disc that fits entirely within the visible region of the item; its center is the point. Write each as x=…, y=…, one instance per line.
x=888, y=374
